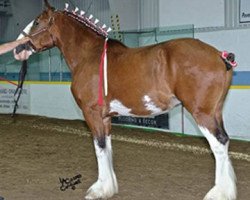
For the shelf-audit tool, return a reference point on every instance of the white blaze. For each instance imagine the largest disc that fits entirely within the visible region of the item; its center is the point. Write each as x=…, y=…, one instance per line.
x=26, y=30
x=25, y=54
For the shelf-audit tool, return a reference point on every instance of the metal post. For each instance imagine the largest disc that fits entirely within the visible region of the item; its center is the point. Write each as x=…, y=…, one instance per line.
x=49, y=65
x=182, y=119
x=61, y=70
x=156, y=32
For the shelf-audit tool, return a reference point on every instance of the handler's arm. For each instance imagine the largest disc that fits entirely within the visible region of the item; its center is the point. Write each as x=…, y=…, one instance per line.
x=4, y=48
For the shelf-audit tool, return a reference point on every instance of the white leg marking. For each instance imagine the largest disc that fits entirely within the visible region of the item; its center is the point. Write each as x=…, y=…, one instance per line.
x=26, y=30
x=225, y=187
x=106, y=185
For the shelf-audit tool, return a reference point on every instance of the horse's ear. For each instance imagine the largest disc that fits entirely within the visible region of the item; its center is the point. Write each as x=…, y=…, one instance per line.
x=47, y=5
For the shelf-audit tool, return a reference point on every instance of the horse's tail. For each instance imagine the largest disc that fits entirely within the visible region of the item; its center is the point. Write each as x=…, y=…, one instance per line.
x=229, y=60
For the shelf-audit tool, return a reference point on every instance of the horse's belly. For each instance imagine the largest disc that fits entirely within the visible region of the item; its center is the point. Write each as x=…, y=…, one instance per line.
x=145, y=107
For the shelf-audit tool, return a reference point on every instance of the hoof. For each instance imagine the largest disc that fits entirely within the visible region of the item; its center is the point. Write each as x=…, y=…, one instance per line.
x=101, y=190
x=218, y=194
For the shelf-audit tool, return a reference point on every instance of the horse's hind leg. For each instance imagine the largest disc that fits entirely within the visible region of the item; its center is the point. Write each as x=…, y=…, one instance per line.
x=212, y=128
x=106, y=185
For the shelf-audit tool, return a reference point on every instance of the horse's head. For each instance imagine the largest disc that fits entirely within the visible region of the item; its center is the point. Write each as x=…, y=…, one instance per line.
x=40, y=33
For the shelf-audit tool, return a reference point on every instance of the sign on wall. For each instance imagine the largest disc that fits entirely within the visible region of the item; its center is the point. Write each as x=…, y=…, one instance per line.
x=160, y=121
x=244, y=11
x=7, y=99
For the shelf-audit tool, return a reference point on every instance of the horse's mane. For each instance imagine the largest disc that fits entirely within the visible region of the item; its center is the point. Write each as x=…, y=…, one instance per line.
x=103, y=31
x=88, y=22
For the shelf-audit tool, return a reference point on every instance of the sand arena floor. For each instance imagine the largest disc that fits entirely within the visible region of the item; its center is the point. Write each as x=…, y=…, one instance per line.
x=35, y=152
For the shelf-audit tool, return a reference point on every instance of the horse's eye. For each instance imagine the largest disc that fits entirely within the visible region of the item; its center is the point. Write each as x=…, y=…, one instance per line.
x=36, y=23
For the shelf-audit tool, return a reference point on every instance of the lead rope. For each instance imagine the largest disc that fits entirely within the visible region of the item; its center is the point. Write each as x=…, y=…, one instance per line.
x=103, y=75
x=18, y=92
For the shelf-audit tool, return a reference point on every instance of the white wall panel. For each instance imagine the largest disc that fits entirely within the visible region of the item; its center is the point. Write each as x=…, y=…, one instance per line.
x=236, y=41
x=201, y=13
x=136, y=14
x=128, y=11
x=149, y=13
x=64, y=107
x=45, y=101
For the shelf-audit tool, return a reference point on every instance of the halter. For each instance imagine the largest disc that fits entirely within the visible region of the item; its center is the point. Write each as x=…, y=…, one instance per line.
x=45, y=29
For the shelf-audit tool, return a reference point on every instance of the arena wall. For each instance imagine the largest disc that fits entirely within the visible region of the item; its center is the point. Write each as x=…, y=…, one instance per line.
x=178, y=12
x=55, y=100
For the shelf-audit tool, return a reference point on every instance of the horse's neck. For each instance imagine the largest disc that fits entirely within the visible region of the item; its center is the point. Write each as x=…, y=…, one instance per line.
x=77, y=43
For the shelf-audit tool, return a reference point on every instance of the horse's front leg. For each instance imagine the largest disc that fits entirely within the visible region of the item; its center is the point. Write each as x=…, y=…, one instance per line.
x=106, y=185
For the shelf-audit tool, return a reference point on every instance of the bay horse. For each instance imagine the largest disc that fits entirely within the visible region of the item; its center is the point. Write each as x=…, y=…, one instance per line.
x=141, y=82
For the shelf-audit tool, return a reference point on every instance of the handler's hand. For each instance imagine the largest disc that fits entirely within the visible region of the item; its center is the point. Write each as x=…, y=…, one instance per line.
x=4, y=48
x=23, y=55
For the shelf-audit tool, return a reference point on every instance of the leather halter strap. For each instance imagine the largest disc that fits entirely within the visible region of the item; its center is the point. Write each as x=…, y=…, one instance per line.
x=45, y=29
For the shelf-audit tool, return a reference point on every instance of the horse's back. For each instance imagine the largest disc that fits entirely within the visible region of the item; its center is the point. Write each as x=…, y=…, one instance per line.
x=193, y=51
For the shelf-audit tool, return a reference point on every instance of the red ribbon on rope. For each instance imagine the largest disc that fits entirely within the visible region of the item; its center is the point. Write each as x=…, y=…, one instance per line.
x=8, y=81
x=101, y=66
x=224, y=55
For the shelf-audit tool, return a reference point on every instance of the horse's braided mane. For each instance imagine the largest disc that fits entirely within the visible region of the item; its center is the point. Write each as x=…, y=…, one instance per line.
x=87, y=22
x=103, y=31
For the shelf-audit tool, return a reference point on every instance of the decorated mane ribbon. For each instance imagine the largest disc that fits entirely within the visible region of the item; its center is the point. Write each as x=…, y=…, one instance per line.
x=87, y=21
x=229, y=58
x=103, y=74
